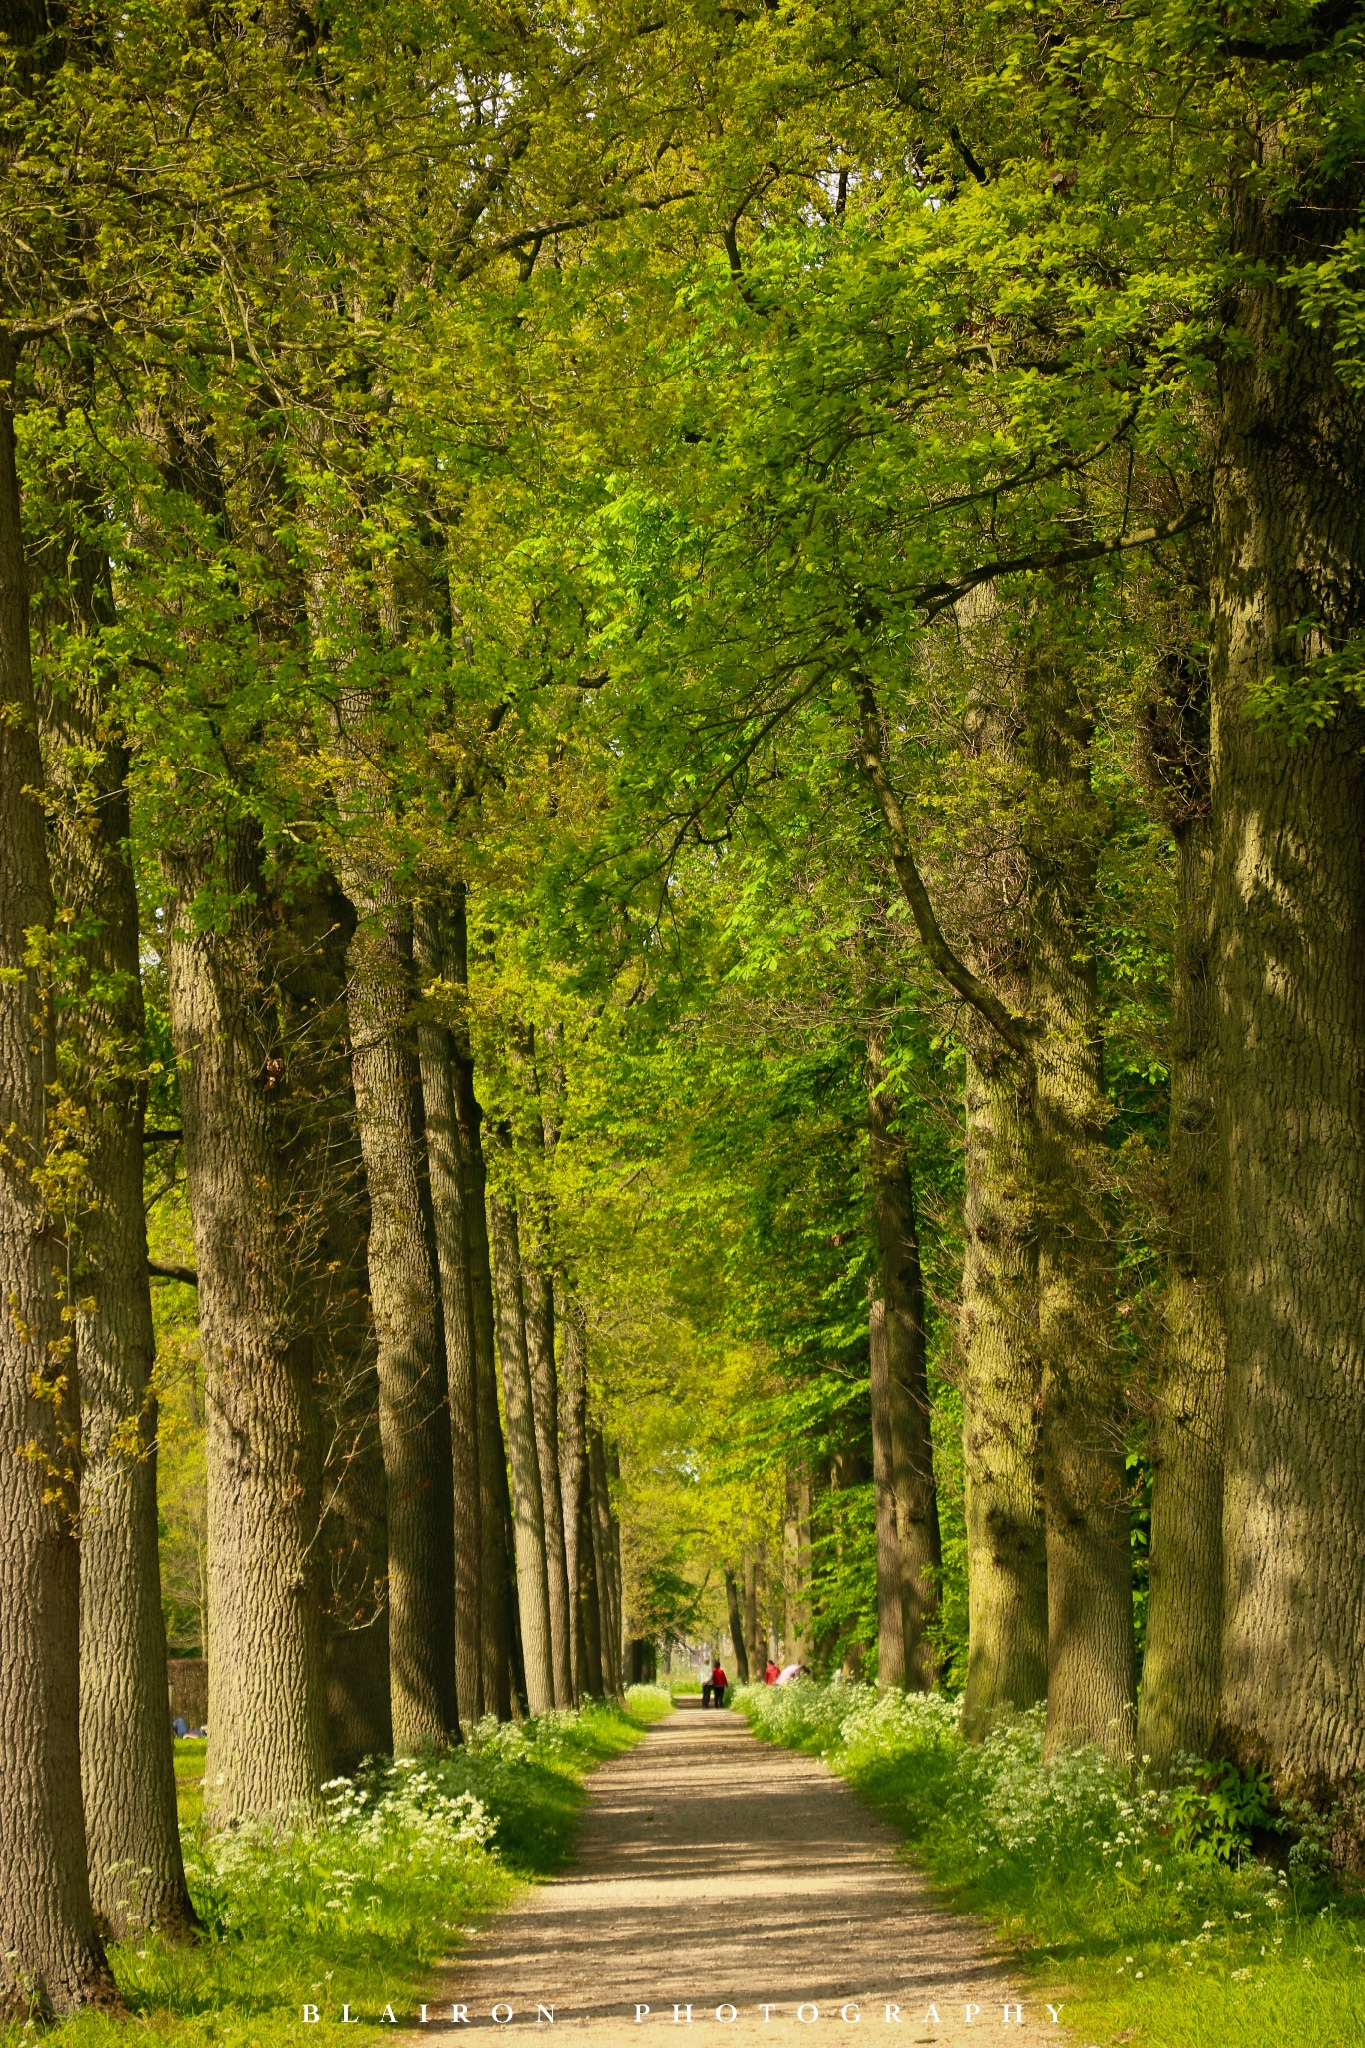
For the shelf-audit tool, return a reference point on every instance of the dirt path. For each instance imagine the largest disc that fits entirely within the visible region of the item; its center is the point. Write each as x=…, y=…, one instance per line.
x=716, y=1872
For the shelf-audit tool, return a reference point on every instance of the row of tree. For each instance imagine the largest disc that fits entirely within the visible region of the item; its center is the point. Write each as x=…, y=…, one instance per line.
x=782, y=594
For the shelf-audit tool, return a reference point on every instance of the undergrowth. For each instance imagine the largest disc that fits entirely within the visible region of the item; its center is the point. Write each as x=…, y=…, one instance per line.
x=1139, y=1907
x=360, y=1908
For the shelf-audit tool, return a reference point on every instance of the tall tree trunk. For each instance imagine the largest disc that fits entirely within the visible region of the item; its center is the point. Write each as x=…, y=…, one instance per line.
x=51, y=1958
x=604, y=1549
x=1289, y=895
x=826, y=1554
x=736, y=1627
x=538, y=1295
x=797, y=1545
x=1178, y=1700
x=756, y=1620
x=1002, y=1392
x=137, y=1874
x=495, y=1520
x=536, y=1139
x=413, y=1410
x=912, y=1445
x=249, y=1170
x=618, y=1582
x=573, y=1389
x=890, y=1599
x=355, y=1496
x=449, y=1182
x=595, y=1681
x=359, y=1701
x=314, y=926
x=850, y=1467
x=528, y=1511
x=1092, y=1685
x=998, y=1329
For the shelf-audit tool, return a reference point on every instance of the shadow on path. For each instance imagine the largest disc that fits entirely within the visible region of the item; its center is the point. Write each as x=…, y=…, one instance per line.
x=716, y=1872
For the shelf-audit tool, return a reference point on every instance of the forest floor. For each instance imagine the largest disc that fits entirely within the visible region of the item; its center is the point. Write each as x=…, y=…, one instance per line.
x=744, y=1891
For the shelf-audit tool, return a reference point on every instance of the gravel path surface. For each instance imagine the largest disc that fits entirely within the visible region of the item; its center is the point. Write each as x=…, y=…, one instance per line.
x=715, y=1871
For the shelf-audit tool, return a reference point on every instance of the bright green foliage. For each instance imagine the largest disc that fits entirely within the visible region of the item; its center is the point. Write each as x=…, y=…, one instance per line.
x=583, y=415
x=1215, y=1816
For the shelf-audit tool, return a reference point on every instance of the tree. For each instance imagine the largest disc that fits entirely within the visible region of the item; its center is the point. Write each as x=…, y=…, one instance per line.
x=905, y=1429
x=454, y=1251
x=1286, y=559
x=51, y=1958
x=251, y=1172
x=1178, y=1703
x=414, y=1413
x=128, y=1779
x=528, y=1509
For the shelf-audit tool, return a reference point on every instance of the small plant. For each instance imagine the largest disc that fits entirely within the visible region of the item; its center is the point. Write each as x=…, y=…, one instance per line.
x=1314, y=1832
x=1213, y=1816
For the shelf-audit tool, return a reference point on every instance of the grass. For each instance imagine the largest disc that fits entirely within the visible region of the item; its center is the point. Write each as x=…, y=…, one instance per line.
x=362, y=1909
x=1075, y=1864
x=189, y=1781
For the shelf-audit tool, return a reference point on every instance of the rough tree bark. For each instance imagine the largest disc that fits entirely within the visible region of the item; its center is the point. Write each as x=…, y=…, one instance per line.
x=137, y=1874
x=495, y=1518
x=1002, y=1393
x=998, y=1327
x=596, y=1682
x=538, y=1296
x=314, y=924
x=755, y=1621
x=919, y=1550
x=449, y=1178
x=538, y=1293
x=1178, y=1702
x=1092, y=1681
x=604, y=1553
x=355, y=1494
x=890, y=1597
x=251, y=1182
x=796, y=1540
x=574, y=1481
x=736, y=1627
x=413, y=1412
x=528, y=1510
x=850, y=1468
x=1289, y=899
x=51, y=1958
x=356, y=1613
x=618, y=1582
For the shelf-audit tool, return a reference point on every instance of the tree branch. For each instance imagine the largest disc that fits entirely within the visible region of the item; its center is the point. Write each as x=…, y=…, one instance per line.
x=160, y=1271
x=973, y=162
x=938, y=597
x=589, y=217
x=1004, y=1021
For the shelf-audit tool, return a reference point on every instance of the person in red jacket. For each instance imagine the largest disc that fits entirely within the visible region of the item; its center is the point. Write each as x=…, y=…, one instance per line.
x=770, y=1674
x=718, y=1684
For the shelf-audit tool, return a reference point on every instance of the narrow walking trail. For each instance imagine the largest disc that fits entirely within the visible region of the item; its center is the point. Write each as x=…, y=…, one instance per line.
x=716, y=1872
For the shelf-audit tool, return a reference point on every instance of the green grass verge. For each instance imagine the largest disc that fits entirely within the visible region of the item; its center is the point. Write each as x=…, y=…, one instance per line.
x=363, y=1909
x=1139, y=1942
